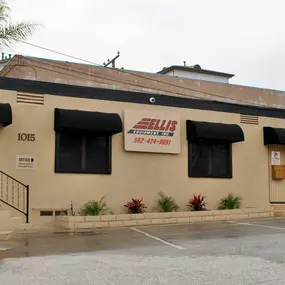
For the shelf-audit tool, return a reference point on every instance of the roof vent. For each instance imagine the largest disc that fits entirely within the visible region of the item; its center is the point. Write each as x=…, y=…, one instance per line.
x=248, y=119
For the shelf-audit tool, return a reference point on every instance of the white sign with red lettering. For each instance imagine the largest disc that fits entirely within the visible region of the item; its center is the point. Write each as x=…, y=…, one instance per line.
x=147, y=131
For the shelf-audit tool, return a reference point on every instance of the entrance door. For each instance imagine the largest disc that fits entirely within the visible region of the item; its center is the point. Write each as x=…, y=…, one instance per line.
x=276, y=187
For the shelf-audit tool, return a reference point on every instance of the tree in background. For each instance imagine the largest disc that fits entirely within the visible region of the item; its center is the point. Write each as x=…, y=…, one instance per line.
x=12, y=32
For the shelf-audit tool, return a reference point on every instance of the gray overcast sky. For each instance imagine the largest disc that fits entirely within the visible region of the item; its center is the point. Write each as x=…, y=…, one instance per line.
x=244, y=37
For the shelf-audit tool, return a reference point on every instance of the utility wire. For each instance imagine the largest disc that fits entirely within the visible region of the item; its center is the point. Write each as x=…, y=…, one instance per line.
x=64, y=54
x=144, y=77
x=64, y=73
x=128, y=72
x=175, y=93
x=139, y=90
x=98, y=76
x=119, y=81
x=54, y=71
x=125, y=71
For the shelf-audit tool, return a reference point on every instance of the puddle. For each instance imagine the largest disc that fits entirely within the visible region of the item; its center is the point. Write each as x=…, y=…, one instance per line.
x=61, y=243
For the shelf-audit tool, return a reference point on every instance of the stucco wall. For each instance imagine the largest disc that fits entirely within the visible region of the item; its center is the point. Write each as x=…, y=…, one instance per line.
x=162, y=172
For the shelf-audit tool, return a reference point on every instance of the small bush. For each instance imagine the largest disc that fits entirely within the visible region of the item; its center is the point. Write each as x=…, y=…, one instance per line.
x=95, y=208
x=197, y=203
x=166, y=203
x=230, y=202
x=136, y=206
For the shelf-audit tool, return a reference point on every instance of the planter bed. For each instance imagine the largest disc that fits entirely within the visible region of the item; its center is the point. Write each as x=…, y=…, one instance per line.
x=83, y=223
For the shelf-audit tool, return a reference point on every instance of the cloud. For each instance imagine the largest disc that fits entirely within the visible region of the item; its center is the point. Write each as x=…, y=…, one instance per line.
x=242, y=37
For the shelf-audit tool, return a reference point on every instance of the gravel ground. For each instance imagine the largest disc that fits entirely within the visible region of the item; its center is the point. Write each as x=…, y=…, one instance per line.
x=98, y=268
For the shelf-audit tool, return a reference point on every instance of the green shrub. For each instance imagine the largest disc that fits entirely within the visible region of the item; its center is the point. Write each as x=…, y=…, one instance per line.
x=95, y=208
x=166, y=203
x=230, y=202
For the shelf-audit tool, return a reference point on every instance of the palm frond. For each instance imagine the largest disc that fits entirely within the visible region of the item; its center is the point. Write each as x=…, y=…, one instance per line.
x=15, y=32
x=12, y=32
x=4, y=13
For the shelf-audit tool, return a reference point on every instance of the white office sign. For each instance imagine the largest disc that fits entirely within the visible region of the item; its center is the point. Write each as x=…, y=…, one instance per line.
x=275, y=158
x=151, y=131
x=26, y=162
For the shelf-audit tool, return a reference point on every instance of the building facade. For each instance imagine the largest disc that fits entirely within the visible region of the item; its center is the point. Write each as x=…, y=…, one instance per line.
x=77, y=143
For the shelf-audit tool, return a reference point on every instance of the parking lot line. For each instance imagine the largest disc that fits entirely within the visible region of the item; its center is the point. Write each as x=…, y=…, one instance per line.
x=256, y=225
x=159, y=239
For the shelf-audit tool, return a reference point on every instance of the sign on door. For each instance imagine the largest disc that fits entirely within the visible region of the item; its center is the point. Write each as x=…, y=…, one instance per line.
x=275, y=158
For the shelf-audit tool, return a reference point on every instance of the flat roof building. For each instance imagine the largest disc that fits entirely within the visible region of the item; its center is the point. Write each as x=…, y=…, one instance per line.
x=196, y=72
x=74, y=132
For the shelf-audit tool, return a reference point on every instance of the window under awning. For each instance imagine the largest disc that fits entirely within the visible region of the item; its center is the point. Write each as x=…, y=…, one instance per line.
x=273, y=135
x=213, y=131
x=75, y=120
x=5, y=115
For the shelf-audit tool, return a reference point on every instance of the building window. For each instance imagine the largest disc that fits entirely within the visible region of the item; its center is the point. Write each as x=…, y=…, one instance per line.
x=79, y=152
x=210, y=159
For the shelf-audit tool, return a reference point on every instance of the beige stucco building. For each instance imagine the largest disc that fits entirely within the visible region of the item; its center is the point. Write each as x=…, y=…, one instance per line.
x=130, y=136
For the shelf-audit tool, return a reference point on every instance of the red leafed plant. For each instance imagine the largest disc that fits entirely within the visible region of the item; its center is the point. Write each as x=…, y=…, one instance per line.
x=197, y=203
x=136, y=206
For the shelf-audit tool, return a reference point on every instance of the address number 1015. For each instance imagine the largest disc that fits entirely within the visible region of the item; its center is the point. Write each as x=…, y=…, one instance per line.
x=26, y=137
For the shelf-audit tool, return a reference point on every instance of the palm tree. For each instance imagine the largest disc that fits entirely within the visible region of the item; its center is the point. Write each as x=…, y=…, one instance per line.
x=11, y=32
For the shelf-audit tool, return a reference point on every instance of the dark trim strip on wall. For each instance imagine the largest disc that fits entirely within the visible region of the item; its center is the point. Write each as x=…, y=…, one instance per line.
x=57, y=89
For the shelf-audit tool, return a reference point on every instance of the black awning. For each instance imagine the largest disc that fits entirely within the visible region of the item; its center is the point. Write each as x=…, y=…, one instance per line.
x=213, y=131
x=5, y=114
x=76, y=120
x=273, y=135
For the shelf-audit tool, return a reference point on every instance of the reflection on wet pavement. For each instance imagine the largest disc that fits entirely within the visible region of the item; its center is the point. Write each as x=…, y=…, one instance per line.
x=50, y=244
x=208, y=253
x=202, y=238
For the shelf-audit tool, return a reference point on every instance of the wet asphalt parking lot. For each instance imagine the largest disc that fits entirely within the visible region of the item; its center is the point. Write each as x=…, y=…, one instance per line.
x=238, y=252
